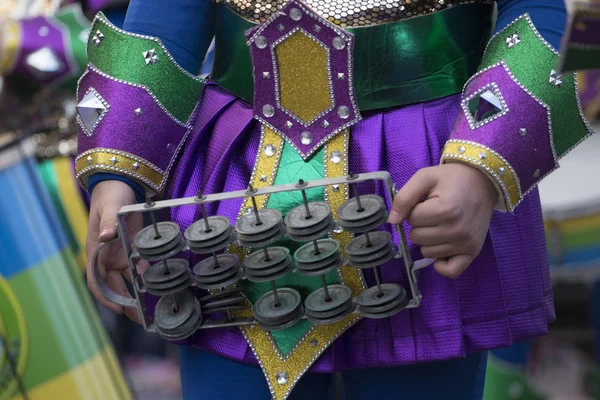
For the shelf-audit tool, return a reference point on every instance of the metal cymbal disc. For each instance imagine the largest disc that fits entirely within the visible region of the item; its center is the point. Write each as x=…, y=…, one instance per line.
x=221, y=294
x=295, y=318
x=164, y=289
x=372, y=298
x=173, y=311
x=269, y=218
x=252, y=241
x=310, y=236
x=346, y=307
x=367, y=311
x=208, y=267
x=279, y=273
x=359, y=247
x=196, y=233
x=385, y=307
x=374, y=262
x=316, y=270
x=225, y=302
x=267, y=310
x=146, y=239
x=308, y=255
x=317, y=302
x=257, y=260
x=296, y=218
x=221, y=284
x=186, y=329
x=371, y=204
x=366, y=221
x=157, y=273
x=367, y=227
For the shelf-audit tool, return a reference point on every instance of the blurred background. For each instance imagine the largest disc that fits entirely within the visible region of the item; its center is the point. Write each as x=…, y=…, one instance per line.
x=56, y=343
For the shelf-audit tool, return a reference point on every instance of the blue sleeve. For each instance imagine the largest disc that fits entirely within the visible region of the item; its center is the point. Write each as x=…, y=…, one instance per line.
x=548, y=16
x=186, y=29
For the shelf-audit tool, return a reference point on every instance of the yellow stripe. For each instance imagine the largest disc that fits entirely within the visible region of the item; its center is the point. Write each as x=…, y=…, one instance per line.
x=74, y=207
x=76, y=383
x=577, y=224
x=9, y=46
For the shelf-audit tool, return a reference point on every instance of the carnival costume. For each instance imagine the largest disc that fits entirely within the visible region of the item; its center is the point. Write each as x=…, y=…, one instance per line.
x=301, y=92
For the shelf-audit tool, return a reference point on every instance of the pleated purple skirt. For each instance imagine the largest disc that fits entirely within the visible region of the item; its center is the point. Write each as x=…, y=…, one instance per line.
x=504, y=297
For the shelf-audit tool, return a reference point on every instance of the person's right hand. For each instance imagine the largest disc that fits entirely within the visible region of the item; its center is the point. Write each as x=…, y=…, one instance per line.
x=107, y=199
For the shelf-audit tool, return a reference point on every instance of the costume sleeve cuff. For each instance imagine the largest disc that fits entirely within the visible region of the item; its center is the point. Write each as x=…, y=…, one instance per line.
x=136, y=107
x=518, y=115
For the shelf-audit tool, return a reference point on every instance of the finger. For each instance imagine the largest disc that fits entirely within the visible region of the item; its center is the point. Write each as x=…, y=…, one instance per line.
x=417, y=188
x=453, y=266
x=108, y=221
x=103, y=301
x=427, y=213
x=431, y=236
x=443, y=251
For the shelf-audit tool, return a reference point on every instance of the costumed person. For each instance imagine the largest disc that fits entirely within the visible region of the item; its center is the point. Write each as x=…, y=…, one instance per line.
x=317, y=89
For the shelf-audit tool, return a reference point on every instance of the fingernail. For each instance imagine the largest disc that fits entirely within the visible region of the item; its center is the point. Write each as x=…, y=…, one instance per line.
x=394, y=217
x=105, y=234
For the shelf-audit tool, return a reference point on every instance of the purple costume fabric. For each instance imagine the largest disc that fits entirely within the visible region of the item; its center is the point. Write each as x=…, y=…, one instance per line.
x=504, y=297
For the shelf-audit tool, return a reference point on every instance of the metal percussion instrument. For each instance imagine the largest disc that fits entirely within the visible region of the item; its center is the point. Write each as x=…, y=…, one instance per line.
x=179, y=312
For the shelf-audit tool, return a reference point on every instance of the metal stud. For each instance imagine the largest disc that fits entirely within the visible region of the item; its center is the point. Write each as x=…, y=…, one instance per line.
x=513, y=40
x=338, y=229
x=462, y=149
x=248, y=210
x=270, y=150
x=89, y=159
x=97, y=38
x=341, y=75
x=306, y=138
x=261, y=42
x=282, y=377
x=314, y=342
x=295, y=14
x=266, y=74
x=136, y=165
x=114, y=160
x=43, y=31
x=335, y=188
x=482, y=156
x=537, y=173
x=263, y=178
x=150, y=57
x=280, y=27
x=522, y=131
x=339, y=43
x=325, y=124
x=317, y=28
x=343, y=112
x=138, y=112
x=268, y=110
x=335, y=157
x=501, y=171
x=288, y=124
x=555, y=79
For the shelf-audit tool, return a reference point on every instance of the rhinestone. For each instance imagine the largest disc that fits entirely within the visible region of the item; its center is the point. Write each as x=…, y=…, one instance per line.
x=136, y=166
x=306, y=138
x=114, y=160
x=462, y=149
x=270, y=150
x=268, y=110
x=325, y=124
x=97, y=38
x=90, y=110
x=523, y=131
x=485, y=105
x=282, y=378
x=317, y=28
x=513, y=40
x=89, y=159
x=343, y=112
x=248, y=210
x=339, y=43
x=44, y=61
x=335, y=157
x=338, y=229
x=314, y=342
x=43, y=31
x=555, y=78
x=335, y=188
x=295, y=14
x=341, y=75
x=288, y=124
x=501, y=170
x=482, y=156
x=537, y=173
x=280, y=27
x=266, y=74
x=138, y=112
x=263, y=178
x=150, y=57
x=261, y=42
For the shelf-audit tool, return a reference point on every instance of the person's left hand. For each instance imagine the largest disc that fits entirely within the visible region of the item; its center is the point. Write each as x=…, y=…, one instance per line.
x=449, y=208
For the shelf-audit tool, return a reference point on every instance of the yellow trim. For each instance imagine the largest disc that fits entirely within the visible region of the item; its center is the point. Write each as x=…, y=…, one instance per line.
x=75, y=384
x=507, y=182
x=75, y=209
x=9, y=46
x=319, y=337
x=101, y=161
x=13, y=302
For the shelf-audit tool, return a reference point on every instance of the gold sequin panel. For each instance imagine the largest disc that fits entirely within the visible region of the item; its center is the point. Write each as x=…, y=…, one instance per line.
x=349, y=13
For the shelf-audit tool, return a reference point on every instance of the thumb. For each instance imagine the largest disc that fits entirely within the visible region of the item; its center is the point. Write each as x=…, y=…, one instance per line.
x=108, y=222
x=411, y=194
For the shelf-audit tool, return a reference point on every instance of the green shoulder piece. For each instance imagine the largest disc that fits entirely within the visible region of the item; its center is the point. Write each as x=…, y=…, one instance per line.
x=143, y=60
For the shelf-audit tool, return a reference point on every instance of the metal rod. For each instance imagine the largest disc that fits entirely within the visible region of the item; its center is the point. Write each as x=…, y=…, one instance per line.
x=175, y=305
x=357, y=196
x=377, y=280
x=204, y=216
x=258, y=221
x=216, y=260
x=305, y=199
x=156, y=232
x=267, y=258
x=277, y=302
x=317, y=250
x=368, y=239
x=166, y=267
x=324, y=282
